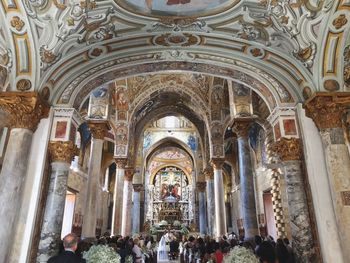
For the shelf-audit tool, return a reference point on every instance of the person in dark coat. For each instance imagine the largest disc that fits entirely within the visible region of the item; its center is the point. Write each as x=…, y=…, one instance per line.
x=70, y=244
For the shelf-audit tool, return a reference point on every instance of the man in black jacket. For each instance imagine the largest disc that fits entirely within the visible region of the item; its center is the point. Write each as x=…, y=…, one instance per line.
x=70, y=244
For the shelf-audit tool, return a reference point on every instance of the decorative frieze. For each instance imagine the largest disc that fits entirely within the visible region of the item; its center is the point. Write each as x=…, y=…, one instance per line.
x=98, y=129
x=326, y=109
x=25, y=109
x=62, y=151
x=287, y=149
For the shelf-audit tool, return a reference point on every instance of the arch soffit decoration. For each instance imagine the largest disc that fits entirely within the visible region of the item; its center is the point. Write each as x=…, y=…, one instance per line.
x=329, y=63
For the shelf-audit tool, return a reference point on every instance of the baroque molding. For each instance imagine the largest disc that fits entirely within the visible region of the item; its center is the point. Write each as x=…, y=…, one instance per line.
x=62, y=151
x=287, y=149
x=98, y=129
x=326, y=109
x=25, y=109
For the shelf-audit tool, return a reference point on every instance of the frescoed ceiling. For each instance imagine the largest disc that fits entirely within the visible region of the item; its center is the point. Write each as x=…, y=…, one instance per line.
x=65, y=49
x=175, y=7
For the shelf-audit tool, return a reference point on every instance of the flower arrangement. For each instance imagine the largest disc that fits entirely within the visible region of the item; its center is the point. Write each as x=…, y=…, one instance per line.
x=101, y=254
x=176, y=223
x=163, y=223
x=240, y=254
x=184, y=230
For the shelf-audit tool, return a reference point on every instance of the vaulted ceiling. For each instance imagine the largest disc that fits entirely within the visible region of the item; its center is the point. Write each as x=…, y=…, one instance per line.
x=283, y=50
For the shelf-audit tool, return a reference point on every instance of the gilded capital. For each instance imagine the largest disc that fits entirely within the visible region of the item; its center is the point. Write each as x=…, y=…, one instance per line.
x=201, y=186
x=129, y=174
x=241, y=126
x=121, y=162
x=208, y=173
x=326, y=109
x=62, y=151
x=137, y=187
x=217, y=163
x=24, y=109
x=287, y=149
x=98, y=129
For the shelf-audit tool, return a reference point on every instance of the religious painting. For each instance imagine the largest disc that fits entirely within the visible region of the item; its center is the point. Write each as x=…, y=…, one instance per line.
x=171, y=182
x=277, y=131
x=122, y=102
x=191, y=142
x=61, y=129
x=290, y=127
x=174, y=7
x=121, y=133
x=122, y=115
x=98, y=104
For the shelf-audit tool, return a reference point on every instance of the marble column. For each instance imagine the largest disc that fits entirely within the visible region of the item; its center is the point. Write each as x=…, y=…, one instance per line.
x=327, y=112
x=202, y=209
x=136, y=209
x=289, y=152
x=61, y=155
x=209, y=176
x=220, y=215
x=118, y=196
x=250, y=223
x=24, y=111
x=98, y=131
x=127, y=202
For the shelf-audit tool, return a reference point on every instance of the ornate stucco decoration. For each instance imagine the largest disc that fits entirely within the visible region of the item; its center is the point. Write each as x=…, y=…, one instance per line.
x=62, y=151
x=177, y=40
x=121, y=162
x=241, y=126
x=25, y=109
x=17, y=23
x=23, y=85
x=287, y=149
x=178, y=25
x=347, y=66
x=98, y=129
x=217, y=163
x=326, y=109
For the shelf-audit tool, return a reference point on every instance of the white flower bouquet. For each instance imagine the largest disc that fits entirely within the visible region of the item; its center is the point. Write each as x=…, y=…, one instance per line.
x=239, y=255
x=101, y=254
x=176, y=223
x=163, y=223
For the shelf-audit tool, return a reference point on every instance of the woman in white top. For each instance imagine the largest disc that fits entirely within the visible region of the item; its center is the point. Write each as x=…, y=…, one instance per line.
x=162, y=254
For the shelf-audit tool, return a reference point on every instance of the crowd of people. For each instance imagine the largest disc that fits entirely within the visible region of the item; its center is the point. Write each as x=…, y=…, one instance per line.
x=144, y=249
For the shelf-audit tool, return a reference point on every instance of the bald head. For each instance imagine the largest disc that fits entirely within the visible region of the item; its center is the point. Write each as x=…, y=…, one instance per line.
x=70, y=241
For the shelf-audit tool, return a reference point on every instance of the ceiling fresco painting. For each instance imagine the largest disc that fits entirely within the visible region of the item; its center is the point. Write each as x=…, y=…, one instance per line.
x=174, y=7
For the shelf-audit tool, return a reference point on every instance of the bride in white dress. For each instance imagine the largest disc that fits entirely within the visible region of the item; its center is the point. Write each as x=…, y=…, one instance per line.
x=162, y=254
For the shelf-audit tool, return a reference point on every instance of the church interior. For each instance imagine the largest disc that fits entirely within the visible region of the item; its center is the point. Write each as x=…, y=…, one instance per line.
x=203, y=117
